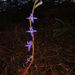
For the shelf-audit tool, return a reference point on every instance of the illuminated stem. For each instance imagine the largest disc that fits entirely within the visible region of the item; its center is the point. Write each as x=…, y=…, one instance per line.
x=32, y=40
x=33, y=47
x=34, y=5
x=30, y=22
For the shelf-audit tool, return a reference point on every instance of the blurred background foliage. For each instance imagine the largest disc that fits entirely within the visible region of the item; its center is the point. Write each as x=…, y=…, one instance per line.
x=7, y=5
x=65, y=27
x=20, y=8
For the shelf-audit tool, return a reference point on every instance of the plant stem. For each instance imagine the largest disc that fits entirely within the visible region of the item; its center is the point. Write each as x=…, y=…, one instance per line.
x=28, y=67
x=32, y=40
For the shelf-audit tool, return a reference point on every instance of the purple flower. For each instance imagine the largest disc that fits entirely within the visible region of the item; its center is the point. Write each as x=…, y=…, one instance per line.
x=31, y=31
x=29, y=44
x=28, y=60
x=40, y=3
x=31, y=17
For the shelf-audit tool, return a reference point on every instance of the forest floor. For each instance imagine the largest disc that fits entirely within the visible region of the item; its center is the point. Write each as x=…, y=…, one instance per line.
x=54, y=54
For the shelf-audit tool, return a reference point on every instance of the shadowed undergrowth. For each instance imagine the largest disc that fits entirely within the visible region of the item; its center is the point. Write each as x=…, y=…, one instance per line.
x=53, y=56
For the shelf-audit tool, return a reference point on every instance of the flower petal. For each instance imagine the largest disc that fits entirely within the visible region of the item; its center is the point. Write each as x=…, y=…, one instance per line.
x=35, y=18
x=30, y=27
x=29, y=48
x=26, y=45
x=31, y=44
x=40, y=2
x=32, y=20
x=31, y=14
x=27, y=42
x=27, y=60
x=28, y=31
x=31, y=33
x=34, y=30
x=28, y=18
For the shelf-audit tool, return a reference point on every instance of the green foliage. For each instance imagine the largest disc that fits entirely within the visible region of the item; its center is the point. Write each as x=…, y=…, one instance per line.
x=60, y=21
x=71, y=54
x=66, y=27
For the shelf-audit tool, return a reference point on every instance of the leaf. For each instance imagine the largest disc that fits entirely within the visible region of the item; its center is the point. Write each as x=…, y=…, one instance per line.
x=60, y=21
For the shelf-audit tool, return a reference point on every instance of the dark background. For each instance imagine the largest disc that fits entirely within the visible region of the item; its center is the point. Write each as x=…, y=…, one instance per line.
x=15, y=10
x=54, y=41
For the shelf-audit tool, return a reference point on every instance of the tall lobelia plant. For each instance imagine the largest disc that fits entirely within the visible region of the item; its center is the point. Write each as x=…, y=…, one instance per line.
x=31, y=31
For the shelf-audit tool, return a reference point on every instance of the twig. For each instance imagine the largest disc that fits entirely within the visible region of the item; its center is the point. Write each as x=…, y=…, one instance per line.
x=71, y=70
